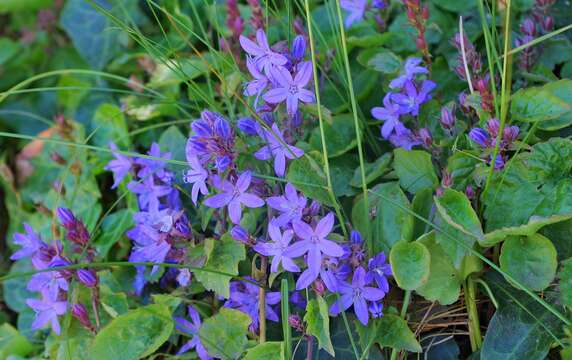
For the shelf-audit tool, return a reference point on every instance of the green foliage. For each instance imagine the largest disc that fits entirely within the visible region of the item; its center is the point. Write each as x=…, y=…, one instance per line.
x=538, y=104
x=415, y=170
x=224, y=334
x=390, y=331
x=318, y=322
x=113, y=229
x=309, y=178
x=339, y=133
x=372, y=170
x=111, y=126
x=563, y=90
x=271, y=350
x=410, y=264
x=565, y=276
x=13, y=343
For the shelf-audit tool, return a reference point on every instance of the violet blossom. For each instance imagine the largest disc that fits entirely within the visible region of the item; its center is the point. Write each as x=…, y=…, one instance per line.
x=47, y=312
x=389, y=113
x=277, y=148
x=410, y=69
x=197, y=175
x=260, y=82
x=413, y=97
x=378, y=272
x=191, y=328
x=276, y=248
x=30, y=243
x=213, y=139
x=356, y=11
x=290, y=205
x=291, y=89
x=120, y=166
x=264, y=57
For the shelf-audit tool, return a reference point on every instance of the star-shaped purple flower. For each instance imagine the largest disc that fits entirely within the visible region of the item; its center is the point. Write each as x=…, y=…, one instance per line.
x=356, y=11
x=191, y=328
x=51, y=282
x=256, y=86
x=290, y=205
x=314, y=242
x=356, y=294
x=379, y=270
x=120, y=166
x=389, y=113
x=278, y=149
x=291, y=90
x=264, y=57
x=30, y=243
x=197, y=175
x=410, y=69
x=148, y=193
x=155, y=167
x=47, y=312
x=276, y=248
x=234, y=195
x=412, y=98
x=404, y=138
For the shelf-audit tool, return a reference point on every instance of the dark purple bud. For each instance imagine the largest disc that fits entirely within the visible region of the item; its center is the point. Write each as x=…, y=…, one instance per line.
x=248, y=126
x=296, y=119
x=470, y=192
x=493, y=127
x=378, y=4
x=314, y=208
x=447, y=180
x=298, y=299
x=447, y=118
x=222, y=128
x=87, y=277
x=425, y=137
x=296, y=322
x=298, y=48
x=240, y=234
x=201, y=128
x=480, y=136
x=209, y=117
x=527, y=27
x=355, y=237
x=80, y=312
x=66, y=218
x=547, y=24
x=499, y=162
x=510, y=133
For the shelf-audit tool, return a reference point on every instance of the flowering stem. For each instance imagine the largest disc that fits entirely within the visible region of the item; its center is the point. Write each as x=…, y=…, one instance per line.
x=404, y=306
x=474, y=325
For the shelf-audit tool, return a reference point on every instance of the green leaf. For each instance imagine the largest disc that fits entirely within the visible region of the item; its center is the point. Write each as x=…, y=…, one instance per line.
x=113, y=229
x=372, y=170
x=444, y=281
x=389, y=331
x=410, y=264
x=307, y=175
x=13, y=343
x=224, y=335
x=565, y=276
x=111, y=126
x=560, y=234
x=133, y=335
x=223, y=255
x=563, y=90
x=271, y=350
x=8, y=48
x=341, y=172
x=521, y=328
x=537, y=104
x=318, y=322
x=15, y=292
x=455, y=6
x=415, y=170
x=423, y=206
x=530, y=260
x=91, y=31
x=24, y=5
x=382, y=60
x=340, y=135
x=387, y=223
x=461, y=224
x=173, y=141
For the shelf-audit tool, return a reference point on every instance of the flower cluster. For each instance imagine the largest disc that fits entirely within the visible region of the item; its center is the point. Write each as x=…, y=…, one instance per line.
x=538, y=23
x=356, y=9
x=408, y=96
x=417, y=15
x=486, y=139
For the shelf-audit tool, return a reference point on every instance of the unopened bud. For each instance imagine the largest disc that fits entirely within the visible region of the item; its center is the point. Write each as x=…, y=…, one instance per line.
x=80, y=312
x=87, y=277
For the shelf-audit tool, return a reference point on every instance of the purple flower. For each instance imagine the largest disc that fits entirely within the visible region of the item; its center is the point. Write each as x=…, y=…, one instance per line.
x=404, y=138
x=264, y=57
x=379, y=270
x=87, y=277
x=510, y=134
x=234, y=195
x=331, y=272
x=389, y=113
x=47, y=311
x=290, y=205
x=356, y=11
x=197, y=176
x=148, y=193
x=278, y=149
x=155, y=167
x=412, y=98
x=248, y=126
x=298, y=48
x=276, y=248
x=376, y=309
x=447, y=118
x=30, y=243
x=213, y=139
x=410, y=69
x=184, y=277
x=291, y=90
x=240, y=234
x=120, y=166
x=150, y=246
x=256, y=86
x=314, y=242
x=244, y=296
x=49, y=283
x=480, y=137
x=356, y=294
x=192, y=328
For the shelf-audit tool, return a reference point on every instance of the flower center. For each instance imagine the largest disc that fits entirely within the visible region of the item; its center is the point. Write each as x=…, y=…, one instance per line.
x=293, y=89
x=314, y=239
x=357, y=293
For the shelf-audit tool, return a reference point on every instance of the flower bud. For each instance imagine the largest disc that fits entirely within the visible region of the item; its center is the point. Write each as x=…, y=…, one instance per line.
x=480, y=136
x=510, y=134
x=298, y=48
x=296, y=322
x=80, y=312
x=527, y=27
x=66, y=217
x=248, y=126
x=470, y=192
x=547, y=24
x=425, y=137
x=378, y=4
x=87, y=277
x=319, y=287
x=240, y=234
x=355, y=238
x=493, y=127
x=222, y=128
x=447, y=118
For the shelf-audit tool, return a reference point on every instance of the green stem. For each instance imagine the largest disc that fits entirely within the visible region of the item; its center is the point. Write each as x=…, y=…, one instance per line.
x=404, y=306
x=348, y=329
x=285, y=312
x=475, y=337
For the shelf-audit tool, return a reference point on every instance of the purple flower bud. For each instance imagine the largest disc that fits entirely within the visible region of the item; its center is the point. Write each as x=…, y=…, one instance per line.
x=510, y=134
x=66, y=217
x=296, y=322
x=447, y=118
x=201, y=128
x=87, y=277
x=499, y=162
x=378, y=4
x=355, y=237
x=80, y=312
x=527, y=27
x=314, y=208
x=493, y=127
x=547, y=24
x=298, y=299
x=319, y=287
x=240, y=234
x=480, y=136
x=376, y=309
x=248, y=126
x=470, y=192
x=222, y=128
x=425, y=137
x=298, y=48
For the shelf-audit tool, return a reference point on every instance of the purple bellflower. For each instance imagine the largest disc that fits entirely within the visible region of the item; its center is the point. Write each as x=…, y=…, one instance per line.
x=191, y=328
x=276, y=248
x=404, y=138
x=278, y=149
x=290, y=205
x=50, y=283
x=120, y=166
x=213, y=139
x=356, y=294
x=291, y=89
x=47, y=312
x=234, y=195
x=264, y=57
x=30, y=243
x=298, y=48
x=155, y=167
x=260, y=82
x=413, y=98
x=389, y=113
x=356, y=11
x=148, y=192
x=410, y=69
x=376, y=309
x=379, y=270
x=197, y=176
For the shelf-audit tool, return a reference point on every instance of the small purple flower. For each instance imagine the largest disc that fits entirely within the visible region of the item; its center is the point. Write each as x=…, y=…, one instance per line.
x=184, y=277
x=154, y=166
x=356, y=294
x=275, y=248
x=278, y=149
x=120, y=166
x=47, y=311
x=376, y=309
x=290, y=205
x=480, y=137
x=379, y=270
x=213, y=139
x=192, y=328
x=510, y=134
x=148, y=193
x=80, y=312
x=49, y=283
x=291, y=90
x=404, y=138
x=264, y=57
x=356, y=11
x=314, y=242
x=447, y=119
x=30, y=243
x=150, y=246
x=389, y=113
x=248, y=126
x=240, y=234
x=298, y=48
x=412, y=98
x=234, y=195
x=260, y=82
x=66, y=217
x=197, y=176
x=410, y=69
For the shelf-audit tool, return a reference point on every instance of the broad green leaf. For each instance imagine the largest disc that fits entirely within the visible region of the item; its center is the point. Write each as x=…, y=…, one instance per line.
x=565, y=276
x=223, y=255
x=410, y=264
x=114, y=303
x=271, y=350
x=24, y=5
x=560, y=234
x=133, y=335
x=341, y=171
x=444, y=281
x=173, y=141
x=422, y=205
x=111, y=126
x=382, y=60
x=70, y=99
x=8, y=48
x=174, y=72
x=307, y=175
x=339, y=135
x=372, y=170
x=15, y=292
x=75, y=345
x=460, y=222
x=387, y=223
x=318, y=322
x=113, y=229
x=224, y=334
x=537, y=104
x=13, y=343
x=531, y=260
x=415, y=170
x=389, y=331
x=563, y=90
x=455, y=6
x=520, y=328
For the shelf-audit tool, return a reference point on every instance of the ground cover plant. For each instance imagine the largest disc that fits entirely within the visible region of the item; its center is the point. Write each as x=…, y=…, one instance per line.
x=298, y=179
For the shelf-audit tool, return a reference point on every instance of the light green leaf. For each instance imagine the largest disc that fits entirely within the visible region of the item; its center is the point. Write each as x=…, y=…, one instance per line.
x=222, y=255
x=113, y=229
x=563, y=90
x=537, y=104
x=389, y=331
x=111, y=126
x=339, y=133
x=318, y=322
x=531, y=260
x=173, y=141
x=415, y=170
x=133, y=335
x=565, y=276
x=224, y=334
x=307, y=175
x=13, y=343
x=271, y=350
x=410, y=264
x=372, y=170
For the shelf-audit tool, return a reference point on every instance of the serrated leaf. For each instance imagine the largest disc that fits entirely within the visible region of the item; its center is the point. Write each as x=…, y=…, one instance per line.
x=318, y=322
x=410, y=264
x=224, y=334
x=415, y=170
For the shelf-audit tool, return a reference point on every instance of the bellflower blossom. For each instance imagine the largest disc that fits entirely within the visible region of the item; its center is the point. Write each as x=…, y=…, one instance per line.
x=278, y=149
x=49, y=283
x=213, y=140
x=378, y=271
x=291, y=89
x=389, y=113
x=234, y=195
x=276, y=248
x=264, y=57
x=413, y=97
x=197, y=176
x=47, y=312
x=30, y=243
x=356, y=11
x=290, y=205
x=260, y=82
x=410, y=69
x=404, y=138
x=357, y=294
x=192, y=328
x=120, y=166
